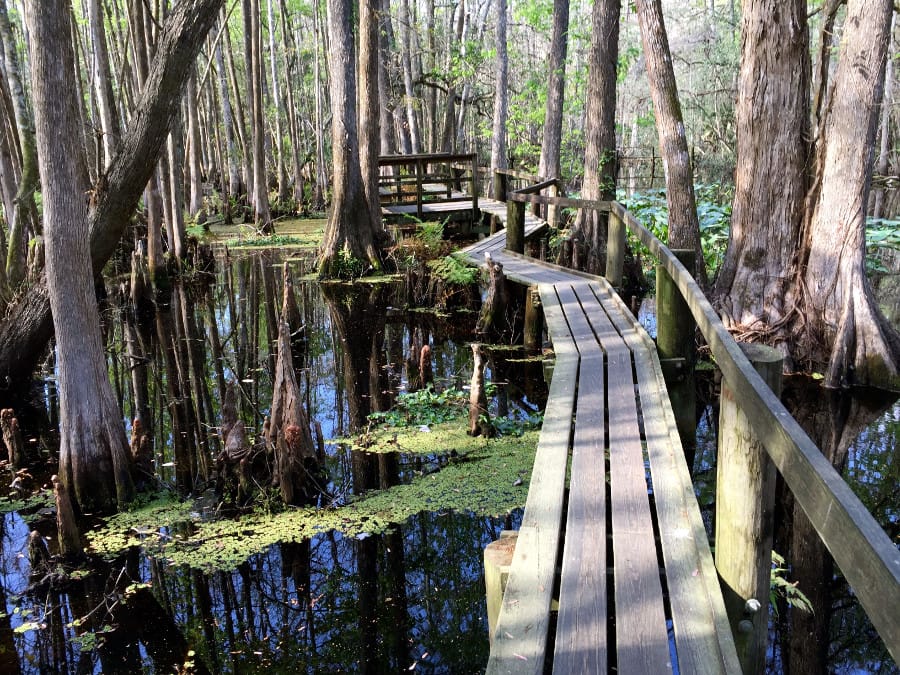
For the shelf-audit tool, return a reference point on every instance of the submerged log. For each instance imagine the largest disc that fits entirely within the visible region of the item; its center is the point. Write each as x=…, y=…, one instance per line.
x=296, y=463
x=493, y=311
x=67, y=530
x=479, y=420
x=12, y=438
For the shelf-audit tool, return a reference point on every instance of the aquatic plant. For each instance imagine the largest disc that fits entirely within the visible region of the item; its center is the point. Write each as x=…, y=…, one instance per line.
x=485, y=477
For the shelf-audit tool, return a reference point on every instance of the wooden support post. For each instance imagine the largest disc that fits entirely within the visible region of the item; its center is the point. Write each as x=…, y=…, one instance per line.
x=534, y=325
x=515, y=227
x=615, y=250
x=498, y=557
x=745, y=500
x=420, y=168
x=552, y=209
x=500, y=186
x=675, y=341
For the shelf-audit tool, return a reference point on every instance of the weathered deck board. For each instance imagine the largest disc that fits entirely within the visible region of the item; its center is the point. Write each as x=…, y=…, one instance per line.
x=520, y=642
x=605, y=355
x=581, y=642
x=694, y=593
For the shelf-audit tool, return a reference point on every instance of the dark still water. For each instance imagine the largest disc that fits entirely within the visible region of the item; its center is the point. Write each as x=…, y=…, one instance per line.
x=381, y=574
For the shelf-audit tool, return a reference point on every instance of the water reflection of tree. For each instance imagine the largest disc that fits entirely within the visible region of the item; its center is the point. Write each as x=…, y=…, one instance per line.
x=810, y=641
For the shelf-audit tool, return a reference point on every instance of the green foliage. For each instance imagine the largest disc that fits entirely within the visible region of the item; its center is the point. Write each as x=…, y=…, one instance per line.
x=453, y=271
x=713, y=213
x=487, y=477
x=423, y=407
x=780, y=587
x=882, y=235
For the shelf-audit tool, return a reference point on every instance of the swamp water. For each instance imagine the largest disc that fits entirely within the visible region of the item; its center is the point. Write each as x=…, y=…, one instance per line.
x=816, y=624
x=382, y=574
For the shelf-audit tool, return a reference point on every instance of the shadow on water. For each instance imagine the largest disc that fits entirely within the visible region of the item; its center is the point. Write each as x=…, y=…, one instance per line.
x=409, y=596
x=859, y=432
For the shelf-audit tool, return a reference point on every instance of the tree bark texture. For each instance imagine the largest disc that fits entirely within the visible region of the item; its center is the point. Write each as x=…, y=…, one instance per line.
x=772, y=130
x=684, y=227
x=263, y=217
x=549, y=166
x=93, y=460
x=349, y=238
x=858, y=344
x=24, y=214
x=600, y=133
x=499, y=148
x=27, y=327
x=369, y=108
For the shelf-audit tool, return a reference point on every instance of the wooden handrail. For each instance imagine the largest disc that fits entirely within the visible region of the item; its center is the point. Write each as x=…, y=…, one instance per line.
x=454, y=162
x=865, y=554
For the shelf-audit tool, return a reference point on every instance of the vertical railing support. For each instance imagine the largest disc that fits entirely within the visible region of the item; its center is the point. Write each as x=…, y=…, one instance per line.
x=615, y=250
x=552, y=209
x=498, y=557
x=534, y=325
x=515, y=226
x=675, y=340
x=745, y=501
x=500, y=185
x=420, y=168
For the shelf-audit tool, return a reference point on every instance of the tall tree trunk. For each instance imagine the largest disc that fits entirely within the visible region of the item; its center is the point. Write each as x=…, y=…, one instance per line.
x=369, y=113
x=386, y=105
x=600, y=133
x=195, y=156
x=293, y=115
x=847, y=329
x=278, y=140
x=27, y=326
x=263, y=218
x=549, y=164
x=409, y=98
x=499, y=149
x=318, y=200
x=25, y=212
x=233, y=182
x=93, y=450
x=884, y=146
x=772, y=131
x=684, y=227
x=103, y=86
x=348, y=247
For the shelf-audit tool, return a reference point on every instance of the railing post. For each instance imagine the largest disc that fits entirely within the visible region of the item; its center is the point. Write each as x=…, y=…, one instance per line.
x=515, y=226
x=745, y=501
x=534, y=326
x=498, y=557
x=615, y=250
x=552, y=209
x=499, y=188
x=474, y=185
x=419, y=192
x=675, y=337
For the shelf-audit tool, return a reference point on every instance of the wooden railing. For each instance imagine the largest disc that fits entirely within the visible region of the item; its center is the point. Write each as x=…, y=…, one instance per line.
x=867, y=557
x=408, y=179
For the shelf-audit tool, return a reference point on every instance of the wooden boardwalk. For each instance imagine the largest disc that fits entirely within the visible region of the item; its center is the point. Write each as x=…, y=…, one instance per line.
x=611, y=530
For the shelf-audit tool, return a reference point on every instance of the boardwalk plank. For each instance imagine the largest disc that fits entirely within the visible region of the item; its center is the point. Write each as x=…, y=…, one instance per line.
x=520, y=640
x=581, y=631
x=641, y=637
x=579, y=315
x=694, y=594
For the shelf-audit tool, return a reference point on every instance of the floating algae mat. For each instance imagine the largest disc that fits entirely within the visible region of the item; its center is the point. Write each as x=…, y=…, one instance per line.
x=487, y=477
